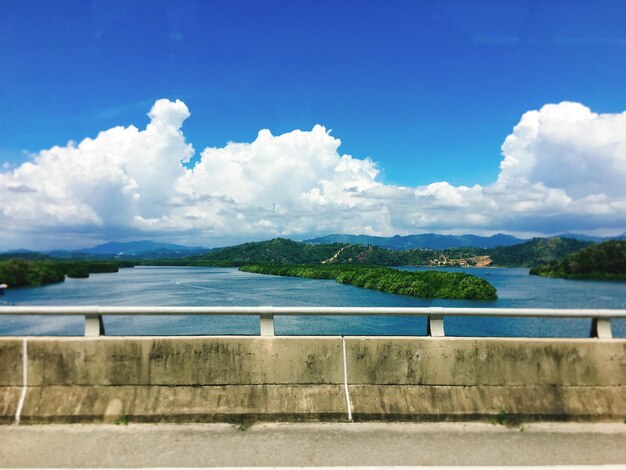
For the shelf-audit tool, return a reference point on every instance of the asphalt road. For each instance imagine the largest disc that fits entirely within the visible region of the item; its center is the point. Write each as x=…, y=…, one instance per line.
x=282, y=444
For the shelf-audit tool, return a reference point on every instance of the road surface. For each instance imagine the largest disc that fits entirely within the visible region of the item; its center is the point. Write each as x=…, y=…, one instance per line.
x=309, y=444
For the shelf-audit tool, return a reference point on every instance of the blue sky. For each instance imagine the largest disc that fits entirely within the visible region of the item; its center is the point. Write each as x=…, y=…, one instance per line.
x=428, y=90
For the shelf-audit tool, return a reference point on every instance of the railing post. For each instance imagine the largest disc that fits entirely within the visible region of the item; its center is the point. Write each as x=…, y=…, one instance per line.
x=267, y=321
x=435, y=323
x=601, y=328
x=94, y=326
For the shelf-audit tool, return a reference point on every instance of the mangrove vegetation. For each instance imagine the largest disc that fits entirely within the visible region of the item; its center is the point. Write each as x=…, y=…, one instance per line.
x=425, y=284
x=18, y=272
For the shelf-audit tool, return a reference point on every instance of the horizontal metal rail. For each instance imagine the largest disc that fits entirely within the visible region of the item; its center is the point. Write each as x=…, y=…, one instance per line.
x=314, y=311
x=601, y=318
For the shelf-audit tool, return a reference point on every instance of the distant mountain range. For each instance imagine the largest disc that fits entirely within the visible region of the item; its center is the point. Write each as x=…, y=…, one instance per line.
x=151, y=250
x=436, y=241
x=591, y=238
x=139, y=248
x=432, y=241
x=144, y=249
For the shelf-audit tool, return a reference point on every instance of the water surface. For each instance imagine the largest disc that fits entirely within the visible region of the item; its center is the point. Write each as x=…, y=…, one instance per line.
x=191, y=286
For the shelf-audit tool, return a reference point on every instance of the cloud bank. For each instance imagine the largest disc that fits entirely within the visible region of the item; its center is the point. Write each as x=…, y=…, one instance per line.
x=563, y=169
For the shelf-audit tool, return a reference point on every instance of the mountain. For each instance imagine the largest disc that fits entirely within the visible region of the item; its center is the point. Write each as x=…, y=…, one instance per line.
x=432, y=241
x=22, y=254
x=145, y=249
x=605, y=260
x=536, y=251
x=276, y=251
x=283, y=251
x=19, y=251
x=288, y=252
x=142, y=248
x=591, y=238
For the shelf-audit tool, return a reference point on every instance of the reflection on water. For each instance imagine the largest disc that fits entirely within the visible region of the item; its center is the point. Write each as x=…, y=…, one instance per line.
x=188, y=286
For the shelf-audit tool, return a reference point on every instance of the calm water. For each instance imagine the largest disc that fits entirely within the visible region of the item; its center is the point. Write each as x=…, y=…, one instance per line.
x=227, y=286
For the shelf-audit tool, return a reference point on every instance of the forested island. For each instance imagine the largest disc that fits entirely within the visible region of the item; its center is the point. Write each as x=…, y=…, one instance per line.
x=606, y=261
x=425, y=284
x=17, y=272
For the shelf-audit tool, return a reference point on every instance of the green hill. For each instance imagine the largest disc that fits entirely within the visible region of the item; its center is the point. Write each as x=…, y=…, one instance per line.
x=283, y=251
x=535, y=252
x=602, y=261
x=276, y=251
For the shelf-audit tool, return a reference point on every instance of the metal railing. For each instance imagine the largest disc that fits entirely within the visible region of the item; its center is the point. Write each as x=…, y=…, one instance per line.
x=94, y=326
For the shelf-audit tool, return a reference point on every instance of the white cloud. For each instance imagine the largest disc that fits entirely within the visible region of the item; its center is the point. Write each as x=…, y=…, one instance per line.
x=563, y=168
x=567, y=146
x=101, y=182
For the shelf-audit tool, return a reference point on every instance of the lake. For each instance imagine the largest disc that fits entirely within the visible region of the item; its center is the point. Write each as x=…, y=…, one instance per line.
x=192, y=286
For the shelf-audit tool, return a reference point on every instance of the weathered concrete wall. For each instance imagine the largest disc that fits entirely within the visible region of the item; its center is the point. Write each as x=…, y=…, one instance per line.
x=302, y=378
x=193, y=361
x=486, y=361
x=466, y=378
x=11, y=379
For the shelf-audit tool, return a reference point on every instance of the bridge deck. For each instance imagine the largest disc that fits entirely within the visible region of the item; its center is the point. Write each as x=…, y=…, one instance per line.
x=223, y=445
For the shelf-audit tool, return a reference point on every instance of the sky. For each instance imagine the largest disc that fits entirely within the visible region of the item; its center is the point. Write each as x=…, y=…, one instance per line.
x=213, y=123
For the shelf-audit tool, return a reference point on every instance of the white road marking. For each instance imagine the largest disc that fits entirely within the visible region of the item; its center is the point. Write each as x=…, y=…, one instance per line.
x=345, y=378
x=20, y=404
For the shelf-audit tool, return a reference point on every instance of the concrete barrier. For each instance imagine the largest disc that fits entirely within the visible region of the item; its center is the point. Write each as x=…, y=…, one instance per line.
x=465, y=379
x=239, y=379
x=11, y=378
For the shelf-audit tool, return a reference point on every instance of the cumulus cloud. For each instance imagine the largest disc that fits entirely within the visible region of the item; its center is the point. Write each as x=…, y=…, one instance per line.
x=102, y=182
x=563, y=168
x=567, y=146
